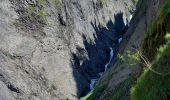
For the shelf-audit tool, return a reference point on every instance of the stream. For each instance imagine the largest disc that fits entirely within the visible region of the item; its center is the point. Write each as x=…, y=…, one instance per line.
x=112, y=52
x=93, y=81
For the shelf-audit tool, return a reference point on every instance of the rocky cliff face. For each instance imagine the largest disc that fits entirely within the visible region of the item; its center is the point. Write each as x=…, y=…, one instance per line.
x=116, y=83
x=50, y=49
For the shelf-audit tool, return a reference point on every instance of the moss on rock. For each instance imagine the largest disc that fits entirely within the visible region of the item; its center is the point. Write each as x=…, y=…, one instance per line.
x=154, y=83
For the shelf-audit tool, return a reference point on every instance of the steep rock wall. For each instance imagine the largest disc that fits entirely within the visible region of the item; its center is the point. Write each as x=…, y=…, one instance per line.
x=50, y=49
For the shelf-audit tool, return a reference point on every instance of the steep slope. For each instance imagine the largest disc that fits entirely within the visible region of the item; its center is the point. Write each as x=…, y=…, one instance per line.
x=118, y=80
x=50, y=49
x=154, y=83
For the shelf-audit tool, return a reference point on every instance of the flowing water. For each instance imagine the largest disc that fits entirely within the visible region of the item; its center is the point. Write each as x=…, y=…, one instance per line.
x=93, y=81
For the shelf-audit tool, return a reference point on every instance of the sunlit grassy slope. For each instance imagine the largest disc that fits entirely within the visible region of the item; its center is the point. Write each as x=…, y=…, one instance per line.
x=154, y=83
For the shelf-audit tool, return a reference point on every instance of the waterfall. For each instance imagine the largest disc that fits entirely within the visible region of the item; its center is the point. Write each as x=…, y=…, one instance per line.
x=111, y=56
x=93, y=81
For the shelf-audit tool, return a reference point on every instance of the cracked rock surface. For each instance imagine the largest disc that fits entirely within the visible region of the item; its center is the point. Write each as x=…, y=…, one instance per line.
x=50, y=49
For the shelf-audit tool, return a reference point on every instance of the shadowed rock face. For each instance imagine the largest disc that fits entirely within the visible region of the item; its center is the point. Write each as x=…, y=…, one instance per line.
x=50, y=49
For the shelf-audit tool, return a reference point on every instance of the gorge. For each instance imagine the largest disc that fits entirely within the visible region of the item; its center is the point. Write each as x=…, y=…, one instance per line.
x=84, y=49
x=51, y=49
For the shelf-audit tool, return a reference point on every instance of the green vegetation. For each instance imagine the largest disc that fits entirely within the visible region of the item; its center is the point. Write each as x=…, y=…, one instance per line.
x=41, y=13
x=135, y=1
x=34, y=14
x=103, y=1
x=95, y=93
x=155, y=36
x=120, y=91
x=154, y=83
x=86, y=97
x=131, y=59
x=56, y=3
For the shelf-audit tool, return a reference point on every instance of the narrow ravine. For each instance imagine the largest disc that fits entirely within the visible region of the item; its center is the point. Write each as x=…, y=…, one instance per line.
x=112, y=54
x=93, y=81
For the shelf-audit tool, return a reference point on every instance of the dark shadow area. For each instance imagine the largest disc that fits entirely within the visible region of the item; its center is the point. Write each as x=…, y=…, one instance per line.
x=98, y=53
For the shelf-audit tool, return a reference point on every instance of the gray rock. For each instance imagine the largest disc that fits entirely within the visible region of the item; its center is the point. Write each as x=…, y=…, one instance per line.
x=50, y=49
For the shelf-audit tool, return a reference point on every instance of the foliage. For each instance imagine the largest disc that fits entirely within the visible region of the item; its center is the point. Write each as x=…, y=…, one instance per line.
x=155, y=85
x=134, y=1
x=95, y=93
x=56, y=3
x=87, y=96
x=37, y=13
x=155, y=36
x=103, y=1
x=120, y=91
x=131, y=59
